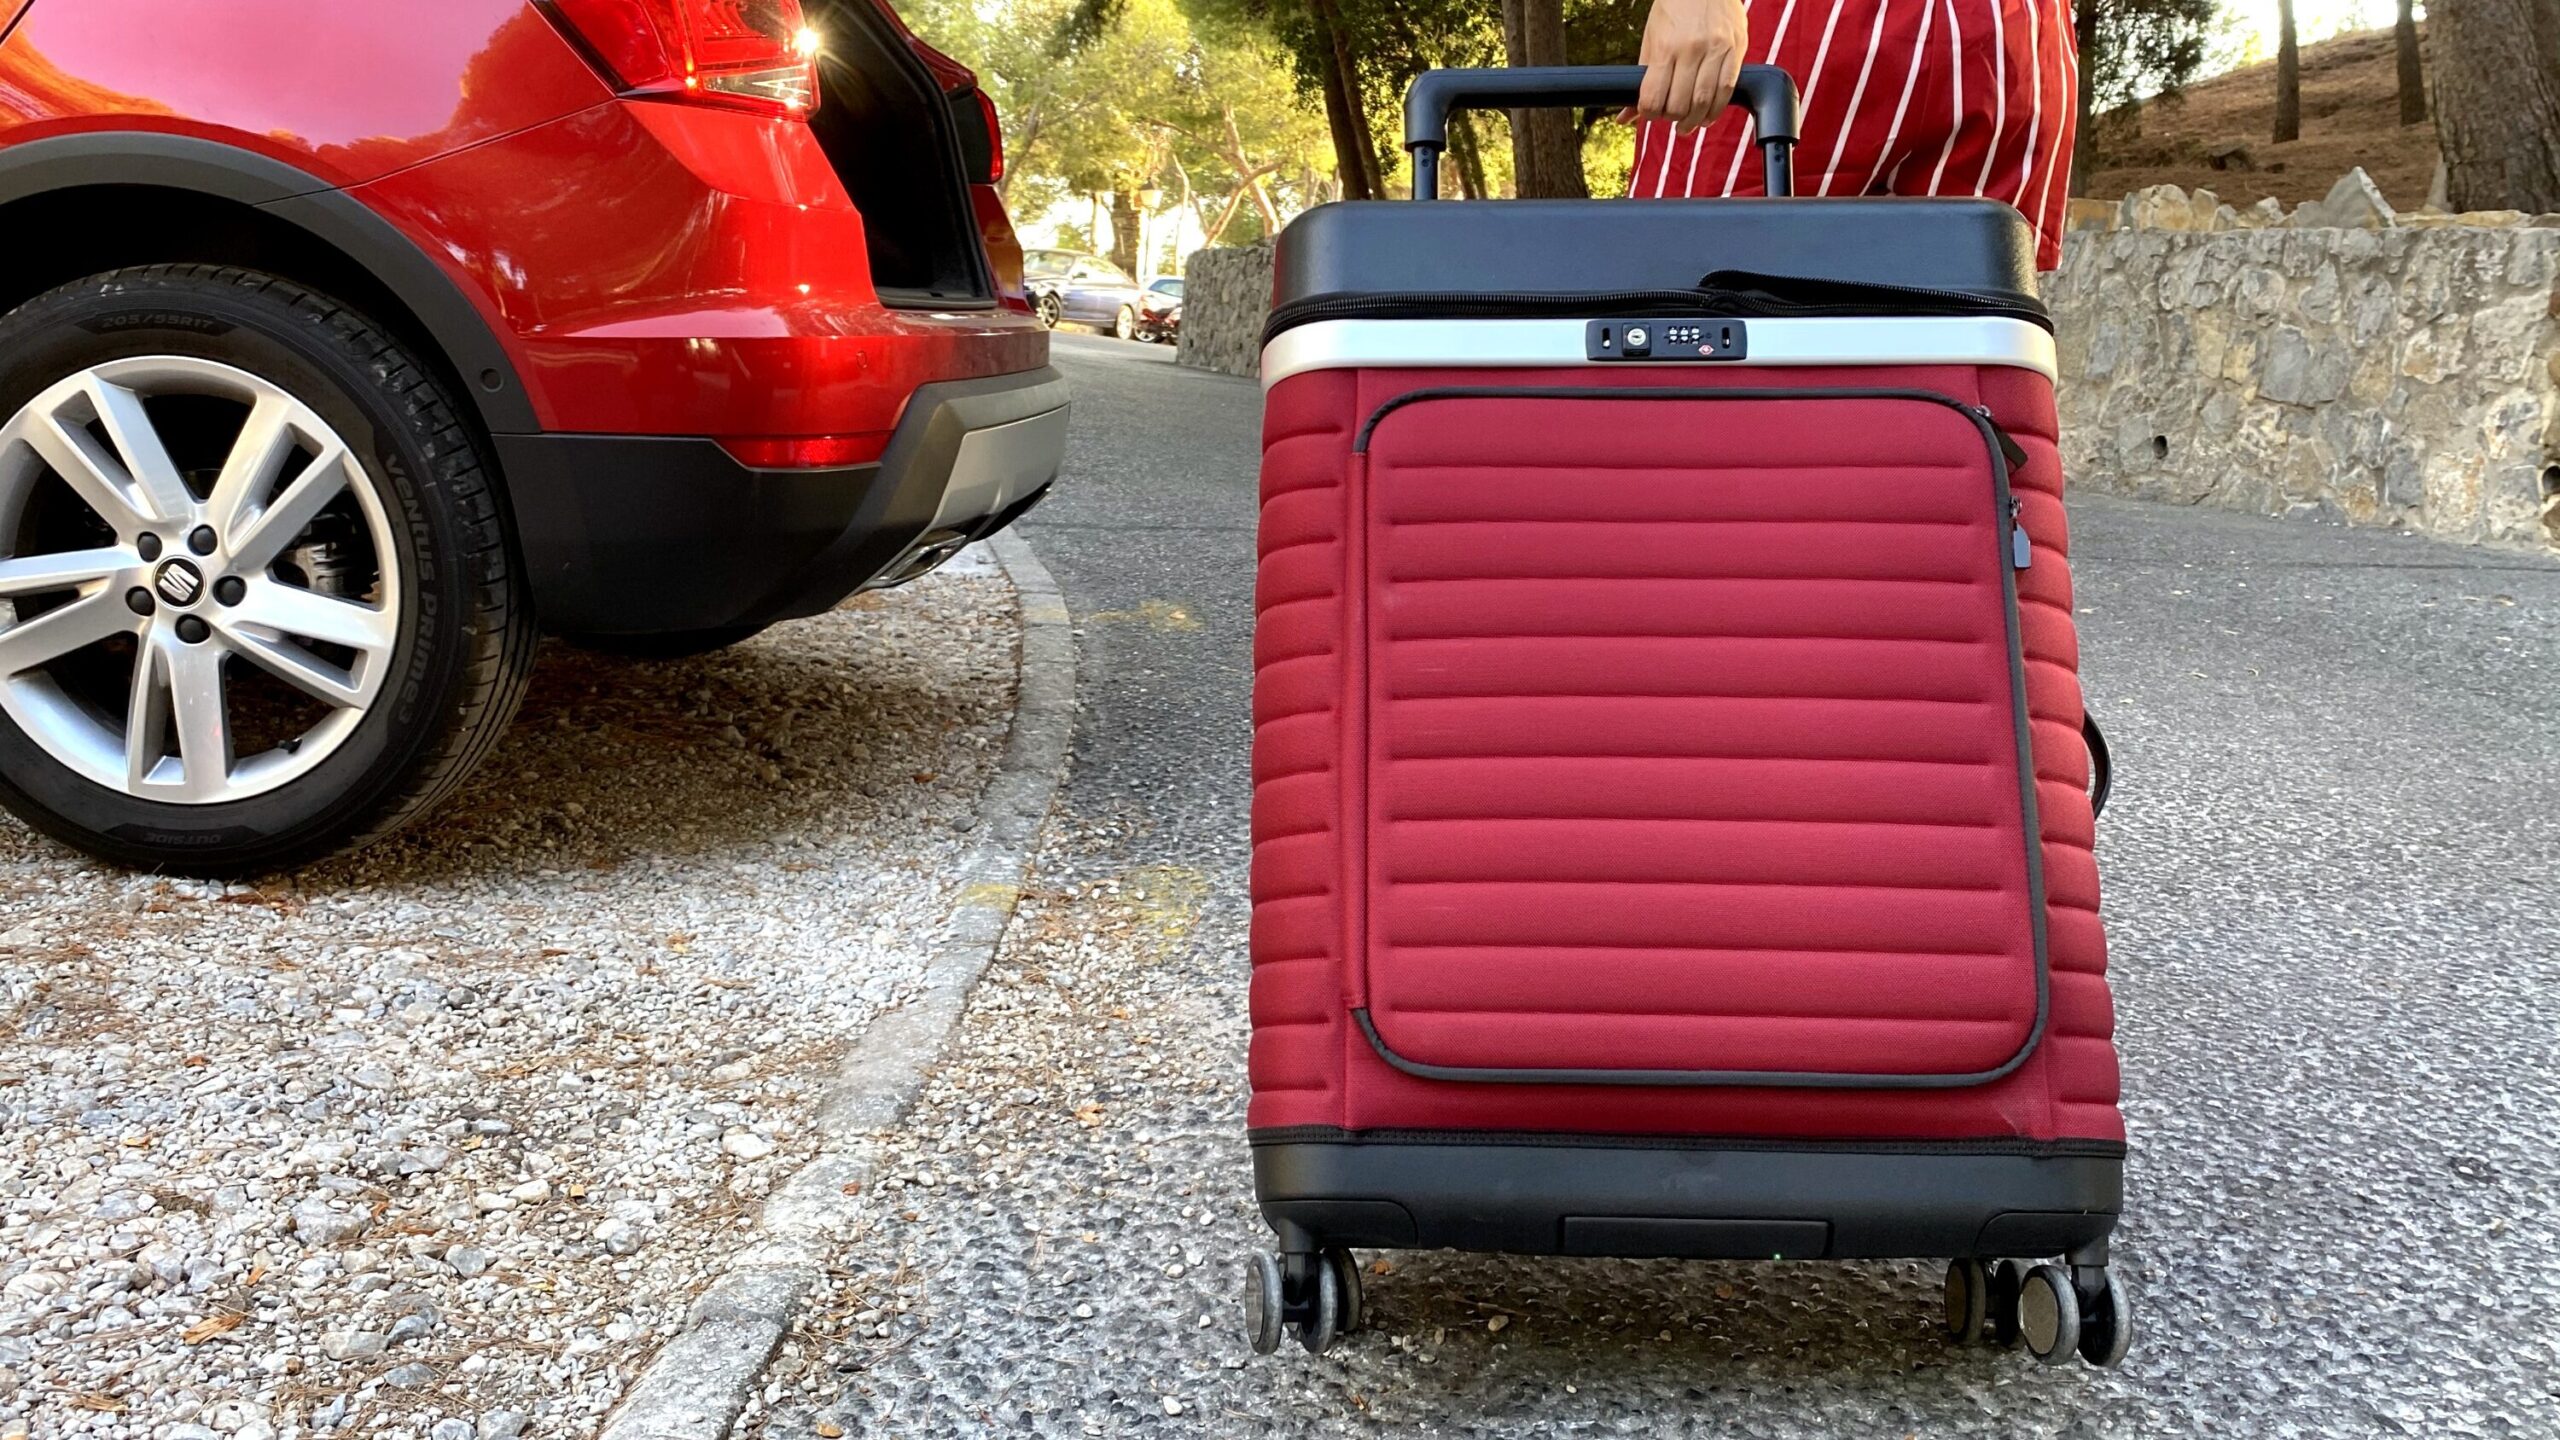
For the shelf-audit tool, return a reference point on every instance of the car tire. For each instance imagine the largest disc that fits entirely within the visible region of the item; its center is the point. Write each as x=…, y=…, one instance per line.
x=1125, y=324
x=351, y=497
x=670, y=645
x=1047, y=309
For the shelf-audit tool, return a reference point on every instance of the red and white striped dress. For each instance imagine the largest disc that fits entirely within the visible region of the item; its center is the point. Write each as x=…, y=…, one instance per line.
x=1901, y=97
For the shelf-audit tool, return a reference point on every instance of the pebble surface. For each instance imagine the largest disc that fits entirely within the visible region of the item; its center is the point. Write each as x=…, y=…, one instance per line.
x=437, y=1142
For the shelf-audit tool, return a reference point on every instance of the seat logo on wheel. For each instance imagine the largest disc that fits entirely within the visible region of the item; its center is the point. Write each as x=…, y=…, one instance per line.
x=179, y=582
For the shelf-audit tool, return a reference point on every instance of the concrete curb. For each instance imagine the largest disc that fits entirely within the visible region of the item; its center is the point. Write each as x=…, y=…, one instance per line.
x=699, y=1384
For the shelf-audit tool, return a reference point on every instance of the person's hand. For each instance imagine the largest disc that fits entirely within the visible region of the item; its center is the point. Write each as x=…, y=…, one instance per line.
x=1692, y=55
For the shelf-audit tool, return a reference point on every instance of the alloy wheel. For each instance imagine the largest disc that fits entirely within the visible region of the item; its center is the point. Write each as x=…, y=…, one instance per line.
x=200, y=579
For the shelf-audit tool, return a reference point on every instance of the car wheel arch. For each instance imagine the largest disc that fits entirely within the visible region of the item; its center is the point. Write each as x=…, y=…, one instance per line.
x=283, y=219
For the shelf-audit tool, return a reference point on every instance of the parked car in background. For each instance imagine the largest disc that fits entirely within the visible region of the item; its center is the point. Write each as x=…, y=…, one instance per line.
x=1160, y=310
x=342, y=347
x=1044, y=279
x=1070, y=285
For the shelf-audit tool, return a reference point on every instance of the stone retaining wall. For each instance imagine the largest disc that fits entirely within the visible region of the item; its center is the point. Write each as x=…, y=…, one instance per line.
x=1225, y=294
x=2364, y=367
x=2342, y=362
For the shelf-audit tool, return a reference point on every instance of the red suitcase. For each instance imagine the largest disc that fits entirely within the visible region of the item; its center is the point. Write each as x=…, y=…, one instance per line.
x=1671, y=833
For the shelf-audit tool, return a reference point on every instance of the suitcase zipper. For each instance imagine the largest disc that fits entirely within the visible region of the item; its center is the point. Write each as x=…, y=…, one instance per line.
x=1869, y=297
x=2022, y=547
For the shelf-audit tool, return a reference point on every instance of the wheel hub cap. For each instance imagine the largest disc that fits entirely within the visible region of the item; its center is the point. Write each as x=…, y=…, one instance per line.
x=2039, y=1318
x=179, y=583
x=259, y=658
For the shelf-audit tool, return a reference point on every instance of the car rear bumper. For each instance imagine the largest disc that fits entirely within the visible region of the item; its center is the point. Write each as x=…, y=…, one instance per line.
x=631, y=535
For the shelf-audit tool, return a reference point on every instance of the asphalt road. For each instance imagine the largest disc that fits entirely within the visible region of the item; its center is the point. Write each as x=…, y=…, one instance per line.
x=2329, y=864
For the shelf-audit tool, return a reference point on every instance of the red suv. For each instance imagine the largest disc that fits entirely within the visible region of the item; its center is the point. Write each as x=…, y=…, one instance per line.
x=345, y=346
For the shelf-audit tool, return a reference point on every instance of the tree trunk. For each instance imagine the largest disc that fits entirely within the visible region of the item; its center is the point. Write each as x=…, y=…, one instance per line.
x=1023, y=135
x=1545, y=151
x=2413, y=79
x=1348, y=168
x=2497, y=73
x=1226, y=216
x=2085, y=37
x=1346, y=108
x=2288, y=76
x=1124, y=229
x=1468, y=151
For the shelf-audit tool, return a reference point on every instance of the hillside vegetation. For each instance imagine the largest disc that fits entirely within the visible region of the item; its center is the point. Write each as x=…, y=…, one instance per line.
x=2350, y=116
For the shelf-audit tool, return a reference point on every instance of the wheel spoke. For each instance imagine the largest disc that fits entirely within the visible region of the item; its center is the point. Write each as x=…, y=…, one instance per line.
x=62, y=630
x=198, y=705
x=300, y=669
x=157, y=488
x=84, y=465
x=256, y=458
x=146, y=713
x=63, y=570
x=291, y=610
x=267, y=535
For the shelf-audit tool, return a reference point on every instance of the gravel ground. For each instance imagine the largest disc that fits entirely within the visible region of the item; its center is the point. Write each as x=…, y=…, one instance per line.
x=440, y=1140
x=2334, y=956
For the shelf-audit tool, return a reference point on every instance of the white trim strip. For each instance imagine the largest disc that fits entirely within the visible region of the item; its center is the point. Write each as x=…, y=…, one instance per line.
x=1526, y=344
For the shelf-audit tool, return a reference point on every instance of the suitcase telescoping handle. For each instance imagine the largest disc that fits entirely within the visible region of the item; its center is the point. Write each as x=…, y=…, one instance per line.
x=1764, y=90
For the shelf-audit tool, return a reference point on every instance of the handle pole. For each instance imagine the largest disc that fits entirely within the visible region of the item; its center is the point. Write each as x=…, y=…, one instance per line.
x=1764, y=90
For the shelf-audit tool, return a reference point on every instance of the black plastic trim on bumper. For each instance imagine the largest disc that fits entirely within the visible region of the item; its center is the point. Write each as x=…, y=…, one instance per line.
x=1738, y=1201
x=637, y=535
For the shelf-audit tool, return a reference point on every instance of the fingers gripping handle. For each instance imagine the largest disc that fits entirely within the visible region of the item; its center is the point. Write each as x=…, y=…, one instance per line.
x=1764, y=90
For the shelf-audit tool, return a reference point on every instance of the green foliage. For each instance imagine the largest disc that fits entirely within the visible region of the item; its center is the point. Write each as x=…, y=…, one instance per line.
x=2132, y=49
x=1115, y=97
x=1115, y=92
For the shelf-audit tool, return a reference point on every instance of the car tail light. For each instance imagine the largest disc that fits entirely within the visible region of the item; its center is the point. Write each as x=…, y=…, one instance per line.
x=753, y=54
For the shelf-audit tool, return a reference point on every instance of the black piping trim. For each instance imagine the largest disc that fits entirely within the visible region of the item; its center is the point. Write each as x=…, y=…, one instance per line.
x=2034, y=1149
x=1993, y=439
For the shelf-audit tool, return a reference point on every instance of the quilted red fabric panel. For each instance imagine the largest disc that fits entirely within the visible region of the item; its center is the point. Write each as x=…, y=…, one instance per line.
x=1555, y=868
x=1690, y=739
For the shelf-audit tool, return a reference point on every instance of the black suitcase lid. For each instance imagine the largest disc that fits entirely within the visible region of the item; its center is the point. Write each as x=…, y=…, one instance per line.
x=1870, y=255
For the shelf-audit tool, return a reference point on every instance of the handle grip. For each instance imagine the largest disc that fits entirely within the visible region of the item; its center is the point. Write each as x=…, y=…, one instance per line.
x=1764, y=90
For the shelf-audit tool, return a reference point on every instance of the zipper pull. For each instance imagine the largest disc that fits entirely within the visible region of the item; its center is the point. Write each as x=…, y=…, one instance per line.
x=2010, y=449
x=2022, y=547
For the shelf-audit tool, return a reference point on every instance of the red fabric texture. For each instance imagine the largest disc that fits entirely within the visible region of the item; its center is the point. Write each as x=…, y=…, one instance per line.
x=1630, y=761
x=1901, y=97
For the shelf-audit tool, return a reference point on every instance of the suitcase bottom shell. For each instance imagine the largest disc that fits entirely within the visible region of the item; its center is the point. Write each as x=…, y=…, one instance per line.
x=1645, y=1199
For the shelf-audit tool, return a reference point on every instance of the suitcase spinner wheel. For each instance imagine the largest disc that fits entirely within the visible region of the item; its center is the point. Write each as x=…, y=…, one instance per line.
x=2055, y=1311
x=1555, y=595
x=1315, y=1295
